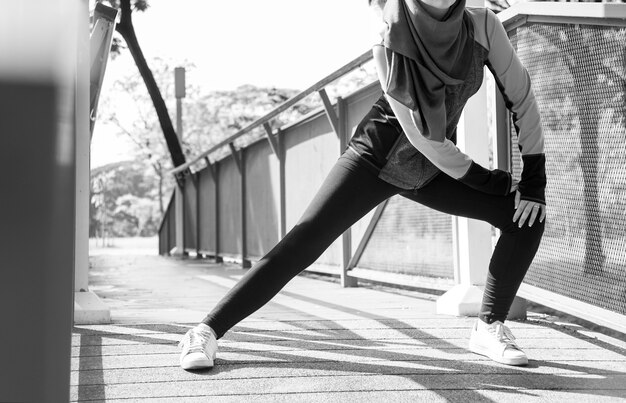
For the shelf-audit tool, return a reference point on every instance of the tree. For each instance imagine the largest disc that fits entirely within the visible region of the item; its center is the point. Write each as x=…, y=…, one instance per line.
x=123, y=202
x=127, y=31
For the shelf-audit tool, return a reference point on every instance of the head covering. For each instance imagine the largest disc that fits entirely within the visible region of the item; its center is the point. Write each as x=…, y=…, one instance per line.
x=424, y=55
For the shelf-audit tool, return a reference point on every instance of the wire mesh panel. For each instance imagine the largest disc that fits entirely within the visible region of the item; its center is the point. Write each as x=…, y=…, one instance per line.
x=262, y=199
x=411, y=239
x=207, y=219
x=229, y=201
x=579, y=78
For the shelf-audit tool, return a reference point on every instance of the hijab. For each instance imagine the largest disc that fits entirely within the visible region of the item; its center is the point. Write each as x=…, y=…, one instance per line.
x=424, y=55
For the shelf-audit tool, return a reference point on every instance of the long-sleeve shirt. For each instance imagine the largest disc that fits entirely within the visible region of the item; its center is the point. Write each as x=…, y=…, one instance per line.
x=390, y=141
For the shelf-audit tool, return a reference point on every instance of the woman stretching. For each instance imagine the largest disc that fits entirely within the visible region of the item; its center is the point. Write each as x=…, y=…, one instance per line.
x=430, y=60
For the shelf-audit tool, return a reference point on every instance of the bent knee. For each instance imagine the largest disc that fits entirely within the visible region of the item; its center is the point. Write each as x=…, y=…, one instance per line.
x=511, y=227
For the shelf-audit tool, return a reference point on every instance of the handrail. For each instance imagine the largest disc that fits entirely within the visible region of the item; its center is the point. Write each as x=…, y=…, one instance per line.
x=365, y=57
x=550, y=11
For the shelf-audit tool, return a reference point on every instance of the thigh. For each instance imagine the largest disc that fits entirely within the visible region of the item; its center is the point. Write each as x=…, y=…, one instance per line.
x=349, y=191
x=450, y=196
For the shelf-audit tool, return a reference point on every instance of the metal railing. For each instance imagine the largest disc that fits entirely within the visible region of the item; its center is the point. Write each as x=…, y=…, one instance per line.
x=239, y=206
x=318, y=87
x=576, y=57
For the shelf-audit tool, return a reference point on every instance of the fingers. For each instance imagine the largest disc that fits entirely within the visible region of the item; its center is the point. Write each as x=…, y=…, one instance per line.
x=518, y=196
x=527, y=211
x=519, y=207
x=534, y=212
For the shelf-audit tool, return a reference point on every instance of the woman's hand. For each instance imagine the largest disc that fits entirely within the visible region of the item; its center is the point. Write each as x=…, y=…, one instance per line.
x=525, y=209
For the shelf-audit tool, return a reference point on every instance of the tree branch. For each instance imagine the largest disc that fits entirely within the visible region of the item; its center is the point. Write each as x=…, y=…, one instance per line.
x=125, y=28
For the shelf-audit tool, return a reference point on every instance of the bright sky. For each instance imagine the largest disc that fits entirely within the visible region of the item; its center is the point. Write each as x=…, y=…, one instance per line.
x=282, y=43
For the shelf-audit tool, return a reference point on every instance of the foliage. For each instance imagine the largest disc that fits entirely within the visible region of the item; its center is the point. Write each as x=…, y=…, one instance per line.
x=208, y=118
x=123, y=202
x=117, y=44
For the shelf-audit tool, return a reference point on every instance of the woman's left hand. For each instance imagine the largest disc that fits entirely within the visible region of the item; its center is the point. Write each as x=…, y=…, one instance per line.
x=525, y=209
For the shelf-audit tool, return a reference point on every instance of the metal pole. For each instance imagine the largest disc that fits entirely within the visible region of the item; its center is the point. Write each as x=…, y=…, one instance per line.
x=180, y=93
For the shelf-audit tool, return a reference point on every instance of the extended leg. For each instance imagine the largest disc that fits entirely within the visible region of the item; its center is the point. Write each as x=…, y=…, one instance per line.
x=347, y=194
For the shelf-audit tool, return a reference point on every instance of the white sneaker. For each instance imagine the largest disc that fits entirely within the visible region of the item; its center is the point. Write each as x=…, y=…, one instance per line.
x=199, y=348
x=496, y=342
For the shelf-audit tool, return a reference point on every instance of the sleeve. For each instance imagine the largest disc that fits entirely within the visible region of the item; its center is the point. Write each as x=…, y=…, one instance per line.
x=514, y=83
x=445, y=155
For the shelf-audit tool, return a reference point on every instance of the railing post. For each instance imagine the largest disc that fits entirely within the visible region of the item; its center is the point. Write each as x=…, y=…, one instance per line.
x=245, y=262
x=346, y=238
x=333, y=119
x=282, y=155
x=196, y=182
x=216, y=179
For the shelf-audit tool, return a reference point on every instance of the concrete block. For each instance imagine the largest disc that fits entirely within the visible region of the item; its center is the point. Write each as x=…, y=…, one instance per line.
x=89, y=309
x=465, y=300
x=460, y=300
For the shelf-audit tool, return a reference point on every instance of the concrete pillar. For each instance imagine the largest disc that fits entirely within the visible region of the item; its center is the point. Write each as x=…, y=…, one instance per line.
x=37, y=210
x=88, y=308
x=473, y=241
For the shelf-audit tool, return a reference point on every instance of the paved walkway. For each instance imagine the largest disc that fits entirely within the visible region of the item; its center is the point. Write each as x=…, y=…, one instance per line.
x=317, y=342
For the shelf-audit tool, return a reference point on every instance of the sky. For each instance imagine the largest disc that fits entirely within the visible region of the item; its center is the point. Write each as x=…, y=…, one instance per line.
x=281, y=43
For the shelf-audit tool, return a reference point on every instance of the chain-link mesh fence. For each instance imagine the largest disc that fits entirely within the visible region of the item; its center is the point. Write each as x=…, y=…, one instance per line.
x=579, y=78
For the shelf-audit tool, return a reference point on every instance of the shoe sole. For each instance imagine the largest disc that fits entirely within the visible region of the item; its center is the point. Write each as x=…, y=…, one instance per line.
x=196, y=365
x=480, y=350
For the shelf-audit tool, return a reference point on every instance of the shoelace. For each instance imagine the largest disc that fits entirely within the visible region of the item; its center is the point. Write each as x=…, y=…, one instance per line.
x=504, y=335
x=195, y=340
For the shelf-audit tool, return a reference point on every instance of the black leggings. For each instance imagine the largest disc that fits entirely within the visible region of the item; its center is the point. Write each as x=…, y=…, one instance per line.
x=349, y=192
